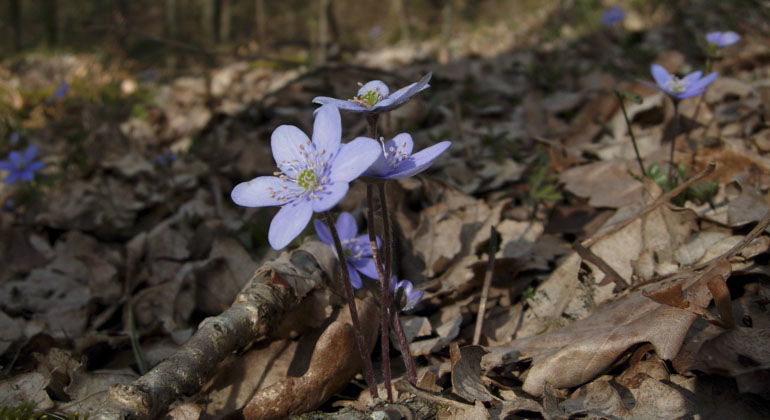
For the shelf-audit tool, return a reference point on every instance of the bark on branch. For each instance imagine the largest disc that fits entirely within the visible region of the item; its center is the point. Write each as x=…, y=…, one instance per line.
x=274, y=289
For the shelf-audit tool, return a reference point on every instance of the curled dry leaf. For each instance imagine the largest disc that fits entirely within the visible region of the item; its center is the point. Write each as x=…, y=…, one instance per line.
x=466, y=373
x=333, y=362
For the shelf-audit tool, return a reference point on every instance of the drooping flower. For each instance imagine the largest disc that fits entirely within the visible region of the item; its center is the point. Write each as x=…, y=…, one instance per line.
x=405, y=296
x=357, y=249
x=314, y=175
x=374, y=96
x=722, y=39
x=611, y=15
x=688, y=86
x=21, y=165
x=397, y=161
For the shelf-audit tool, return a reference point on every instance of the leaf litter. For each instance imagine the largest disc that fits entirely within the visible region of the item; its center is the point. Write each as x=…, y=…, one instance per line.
x=610, y=300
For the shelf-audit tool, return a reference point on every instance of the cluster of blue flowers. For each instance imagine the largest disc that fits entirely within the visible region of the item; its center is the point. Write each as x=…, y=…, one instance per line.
x=21, y=165
x=315, y=173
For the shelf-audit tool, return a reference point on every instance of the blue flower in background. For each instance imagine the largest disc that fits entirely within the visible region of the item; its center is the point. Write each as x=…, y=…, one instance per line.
x=165, y=158
x=357, y=249
x=314, y=175
x=15, y=137
x=59, y=93
x=375, y=96
x=722, y=39
x=612, y=15
x=397, y=161
x=21, y=165
x=406, y=297
x=691, y=85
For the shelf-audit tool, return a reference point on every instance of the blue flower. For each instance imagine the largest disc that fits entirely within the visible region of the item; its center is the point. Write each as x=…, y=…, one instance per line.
x=165, y=158
x=374, y=97
x=314, y=175
x=691, y=85
x=21, y=166
x=612, y=15
x=397, y=161
x=722, y=39
x=404, y=294
x=357, y=249
x=15, y=137
x=59, y=93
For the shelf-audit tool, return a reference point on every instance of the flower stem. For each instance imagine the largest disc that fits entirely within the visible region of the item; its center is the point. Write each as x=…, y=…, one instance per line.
x=360, y=340
x=631, y=132
x=675, y=130
x=403, y=344
x=384, y=293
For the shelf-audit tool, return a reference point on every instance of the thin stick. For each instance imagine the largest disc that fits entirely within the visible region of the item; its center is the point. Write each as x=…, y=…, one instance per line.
x=384, y=293
x=657, y=203
x=608, y=271
x=403, y=344
x=360, y=340
x=487, y=284
x=631, y=132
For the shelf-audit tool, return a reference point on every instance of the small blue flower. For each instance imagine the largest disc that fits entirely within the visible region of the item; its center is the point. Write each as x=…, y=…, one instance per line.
x=21, y=166
x=59, y=93
x=691, y=85
x=15, y=137
x=397, y=161
x=357, y=249
x=374, y=97
x=404, y=294
x=165, y=158
x=722, y=39
x=612, y=15
x=314, y=175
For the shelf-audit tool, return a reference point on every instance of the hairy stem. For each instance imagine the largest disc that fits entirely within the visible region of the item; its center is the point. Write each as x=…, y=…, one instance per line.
x=403, y=344
x=631, y=133
x=384, y=293
x=360, y=341
x=675, y=132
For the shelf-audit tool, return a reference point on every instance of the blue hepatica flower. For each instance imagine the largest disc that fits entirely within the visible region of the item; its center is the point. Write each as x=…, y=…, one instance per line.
x=59, y=93
x=397, y=161
x=612, y=15
x=722, y=39
x=21, y=165
x=314, y=175
x=374, y=97
x=406, y=297
x=357, y=249
x=679, y=88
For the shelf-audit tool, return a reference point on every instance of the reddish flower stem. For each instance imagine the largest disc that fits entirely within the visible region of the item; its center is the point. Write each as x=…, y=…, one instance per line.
x=403, y=344
x=360, y=340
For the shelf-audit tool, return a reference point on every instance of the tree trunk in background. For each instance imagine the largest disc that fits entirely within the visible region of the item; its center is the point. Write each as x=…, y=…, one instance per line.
x=260, y=23
x=51, y=19
x=170, y=15
x=14, y=13
x=398, y=6
x=207, y=21
x=323, y=29
x=444, y=53
x=225, y=18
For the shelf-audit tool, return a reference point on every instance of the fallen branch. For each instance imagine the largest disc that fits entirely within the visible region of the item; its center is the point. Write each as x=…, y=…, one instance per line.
x=274, y=289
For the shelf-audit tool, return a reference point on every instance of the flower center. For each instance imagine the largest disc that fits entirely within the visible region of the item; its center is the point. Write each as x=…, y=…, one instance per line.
x=370, y=98
x=676, y=85
x=307, y=179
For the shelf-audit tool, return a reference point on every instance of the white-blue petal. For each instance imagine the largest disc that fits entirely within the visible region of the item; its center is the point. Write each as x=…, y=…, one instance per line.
x=288, y=223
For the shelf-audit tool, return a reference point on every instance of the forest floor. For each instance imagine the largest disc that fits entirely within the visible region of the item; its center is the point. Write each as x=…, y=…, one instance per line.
x=614, y=294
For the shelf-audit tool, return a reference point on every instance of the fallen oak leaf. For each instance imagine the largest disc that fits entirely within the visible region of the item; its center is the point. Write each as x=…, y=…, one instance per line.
x=466, y=373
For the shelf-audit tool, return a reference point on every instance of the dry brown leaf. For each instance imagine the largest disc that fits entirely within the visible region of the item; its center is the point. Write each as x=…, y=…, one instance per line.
x=466, y=373
x=605, y=183
x=333, y=362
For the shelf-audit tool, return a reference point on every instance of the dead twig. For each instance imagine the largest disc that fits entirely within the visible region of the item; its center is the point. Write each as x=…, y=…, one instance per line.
x=665, y=198
x=612, y=275
x=273, y=290
x=485, y=287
